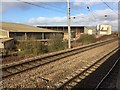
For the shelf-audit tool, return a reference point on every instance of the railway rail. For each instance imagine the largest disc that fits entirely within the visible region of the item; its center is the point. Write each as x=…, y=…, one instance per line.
x=18, y=67
x=71, y=81
x=107, y=74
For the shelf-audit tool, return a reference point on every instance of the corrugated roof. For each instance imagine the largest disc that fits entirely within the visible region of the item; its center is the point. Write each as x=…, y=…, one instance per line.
x=15, y=27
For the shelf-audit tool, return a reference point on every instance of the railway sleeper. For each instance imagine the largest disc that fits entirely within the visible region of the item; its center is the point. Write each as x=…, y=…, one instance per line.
x=86, y=74
x=12, y=70
x=92, y=69
x=27, y=65
x=20, y=67
x=84, y=67
x=5, y=73
x=78, y=80
x=67, y=87
x=89, y=71
x=65, y=80
x=34, y=63
x=82, y=77
x=69, y=77
x=38, y=62
x=72, y=84
x=77, y=72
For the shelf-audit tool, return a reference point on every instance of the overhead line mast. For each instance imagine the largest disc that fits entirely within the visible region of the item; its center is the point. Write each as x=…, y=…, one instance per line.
x=69, y=32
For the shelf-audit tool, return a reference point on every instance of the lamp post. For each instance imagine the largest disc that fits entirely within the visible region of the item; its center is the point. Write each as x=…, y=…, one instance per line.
x=68, y=19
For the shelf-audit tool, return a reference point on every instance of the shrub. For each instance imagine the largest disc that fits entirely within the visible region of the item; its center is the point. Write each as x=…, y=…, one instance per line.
x=31, y=47
x=86, y=39
x=56, y=43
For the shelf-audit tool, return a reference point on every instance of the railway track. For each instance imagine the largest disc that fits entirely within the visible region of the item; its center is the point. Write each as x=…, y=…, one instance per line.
x=115, y=65
x=19, y=67
x=71, y=81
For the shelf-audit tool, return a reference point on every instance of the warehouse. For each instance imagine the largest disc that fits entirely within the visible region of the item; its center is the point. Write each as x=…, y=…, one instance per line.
x=75, y=30
x=22, y=32
x=12, y=32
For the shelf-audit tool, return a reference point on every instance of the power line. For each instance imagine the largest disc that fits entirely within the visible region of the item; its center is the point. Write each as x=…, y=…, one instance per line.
x=109, y=7
x=90, y=11
x=60, y=8
x=53, y=9
x=84, y=6
x=53, y=6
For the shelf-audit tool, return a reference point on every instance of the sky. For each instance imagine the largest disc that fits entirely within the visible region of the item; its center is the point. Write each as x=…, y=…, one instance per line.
x=54, y=12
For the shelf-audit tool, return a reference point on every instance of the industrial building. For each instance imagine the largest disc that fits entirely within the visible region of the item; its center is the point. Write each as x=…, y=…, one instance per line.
x=75, y=30
x=104, y=29
x=13, y=31
x=22, y=32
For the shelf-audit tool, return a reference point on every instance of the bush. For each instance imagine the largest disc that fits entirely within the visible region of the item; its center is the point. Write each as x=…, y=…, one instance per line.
x=31, y=47
x=56, y=43
x=86, y=39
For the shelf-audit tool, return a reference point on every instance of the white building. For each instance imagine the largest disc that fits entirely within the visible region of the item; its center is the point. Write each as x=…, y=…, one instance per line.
x=104, y=29
x=90, y=30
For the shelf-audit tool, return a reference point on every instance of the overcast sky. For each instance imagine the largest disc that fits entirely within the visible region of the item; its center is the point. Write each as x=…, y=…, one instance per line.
x=54, y=12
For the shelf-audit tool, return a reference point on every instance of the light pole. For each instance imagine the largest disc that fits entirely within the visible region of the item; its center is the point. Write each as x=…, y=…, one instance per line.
x=68, y=18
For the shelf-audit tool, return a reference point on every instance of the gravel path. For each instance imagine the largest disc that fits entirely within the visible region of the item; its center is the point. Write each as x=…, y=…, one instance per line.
x=47, y=75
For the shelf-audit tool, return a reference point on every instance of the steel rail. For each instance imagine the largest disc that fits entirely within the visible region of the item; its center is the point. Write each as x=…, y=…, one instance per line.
x=62, y=84
x=32, y=63
x=102, y=80
x=57, y=53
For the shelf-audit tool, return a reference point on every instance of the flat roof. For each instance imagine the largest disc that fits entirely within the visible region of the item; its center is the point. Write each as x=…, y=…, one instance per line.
x=17, y=27
x=5, y=39
x=65, y=25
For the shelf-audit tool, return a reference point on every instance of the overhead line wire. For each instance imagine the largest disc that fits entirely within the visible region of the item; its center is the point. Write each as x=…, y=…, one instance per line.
x=53, y=6
x=109, y=7
x=91, y=12
x=42, y=6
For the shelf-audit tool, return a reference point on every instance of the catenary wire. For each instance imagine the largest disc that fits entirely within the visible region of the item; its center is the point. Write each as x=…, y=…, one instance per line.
x=53, y=9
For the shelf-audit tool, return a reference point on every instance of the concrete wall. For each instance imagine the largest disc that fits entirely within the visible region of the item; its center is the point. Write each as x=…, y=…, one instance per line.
x=36, y=35
x=90, y=30
x=1, y=45
x=4, y=34
x=7, y=44
x=75, y=30
x=65, y=35
x=103, y=33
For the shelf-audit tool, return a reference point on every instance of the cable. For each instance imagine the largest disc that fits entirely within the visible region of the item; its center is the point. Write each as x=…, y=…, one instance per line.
x=91, y=12
x=52, y=6
x=109, y=7
x=84, y=5
x=42, y=6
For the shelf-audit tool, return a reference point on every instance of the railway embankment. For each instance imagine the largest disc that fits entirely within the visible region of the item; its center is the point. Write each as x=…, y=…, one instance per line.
x=46, y=76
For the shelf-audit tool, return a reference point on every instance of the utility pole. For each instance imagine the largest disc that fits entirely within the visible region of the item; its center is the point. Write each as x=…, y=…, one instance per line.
x=69, y=33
